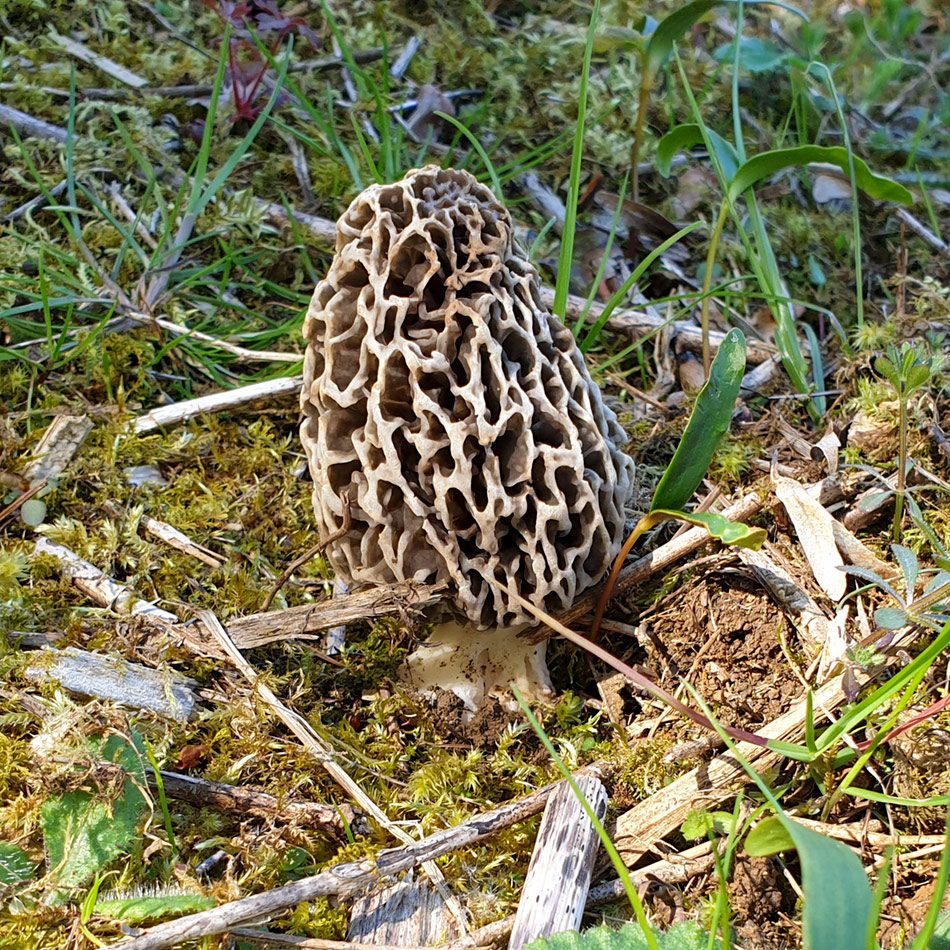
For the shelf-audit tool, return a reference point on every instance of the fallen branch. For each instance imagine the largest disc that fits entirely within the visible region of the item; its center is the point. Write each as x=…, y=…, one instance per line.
x=100, y=588
x=204, y=793
x=164, y=416
x=302, y=623
x=343, y=879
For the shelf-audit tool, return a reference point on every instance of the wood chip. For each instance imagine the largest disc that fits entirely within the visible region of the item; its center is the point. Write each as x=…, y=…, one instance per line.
x=56, y=449
x=408, y=914
x=559, y=875
x=116, y=680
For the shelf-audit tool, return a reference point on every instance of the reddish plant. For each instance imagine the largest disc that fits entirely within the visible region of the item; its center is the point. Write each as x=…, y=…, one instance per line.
x=252, y=23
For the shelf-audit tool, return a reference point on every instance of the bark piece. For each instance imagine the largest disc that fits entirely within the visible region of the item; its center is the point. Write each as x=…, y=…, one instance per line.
x=555, y=889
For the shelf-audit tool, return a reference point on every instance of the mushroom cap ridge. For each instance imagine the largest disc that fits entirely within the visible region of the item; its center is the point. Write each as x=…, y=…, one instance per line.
x=453, y=410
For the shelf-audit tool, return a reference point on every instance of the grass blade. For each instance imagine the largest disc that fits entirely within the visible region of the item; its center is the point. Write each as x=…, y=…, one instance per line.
x=566, y=259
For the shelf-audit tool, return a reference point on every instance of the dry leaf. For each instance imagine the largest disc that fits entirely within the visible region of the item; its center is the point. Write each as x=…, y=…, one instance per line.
x=815, y=531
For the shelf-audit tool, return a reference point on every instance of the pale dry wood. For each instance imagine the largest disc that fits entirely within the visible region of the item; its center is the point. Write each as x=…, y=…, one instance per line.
x=558, y=879
x=203, y=793
x=322, y=753
x=100, y=588
x=305, y=622
x=169, y=535
x=636, y=323
x=116, y=680
x=30, y=127
x=57, y=448
x=98, y=61
x=268, y=941
x=677, y=869
x=407, y=914
x=856, y=834
x=639, y=829
x=343, y=879
x=178, y=412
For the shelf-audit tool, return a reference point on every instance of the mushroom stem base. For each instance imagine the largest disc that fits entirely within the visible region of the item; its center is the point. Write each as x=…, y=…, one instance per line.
x=475, y=664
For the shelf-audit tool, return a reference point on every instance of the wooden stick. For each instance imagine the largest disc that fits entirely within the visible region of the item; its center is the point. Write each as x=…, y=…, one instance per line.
x=343, y=879
x=164, y=416
x=28, y=126
x=636, y=323
x=204, y=793
x=558, y=879
x=304, y=622
x=98, y=587
x=98, y=61
x=318, y=748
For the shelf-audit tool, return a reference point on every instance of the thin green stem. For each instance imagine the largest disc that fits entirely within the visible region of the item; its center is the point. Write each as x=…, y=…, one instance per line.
x=707, y=280
x=901, y=469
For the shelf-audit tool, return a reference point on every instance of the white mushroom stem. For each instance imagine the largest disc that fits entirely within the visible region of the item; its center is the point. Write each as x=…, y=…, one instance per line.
x=476, y=664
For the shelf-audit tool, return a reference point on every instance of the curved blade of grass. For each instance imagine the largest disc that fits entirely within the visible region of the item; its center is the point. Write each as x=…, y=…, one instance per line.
x=708, y=423
x=862, y=710
x=670, y=29
x=817, y=368
x=479, y=149
x=566, y=258
x=593, y=334
x=768, y=163
x=686, y=136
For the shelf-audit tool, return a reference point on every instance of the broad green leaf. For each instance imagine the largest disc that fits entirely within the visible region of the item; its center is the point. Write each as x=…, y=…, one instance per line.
x=708, y=423
x=15, y=866
x=729, y=532
x=83, y=832
x=768, y=163
x=755, y=55
x=837, y=894
x=669, y=31
x=137, y=910
x=768, y=837
x=700, y=823
x=891, y=618
x=682, y=936
x=688, y=135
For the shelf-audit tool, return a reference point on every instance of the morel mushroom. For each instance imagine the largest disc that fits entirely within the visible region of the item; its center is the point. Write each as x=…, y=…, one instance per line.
x=459, y=416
